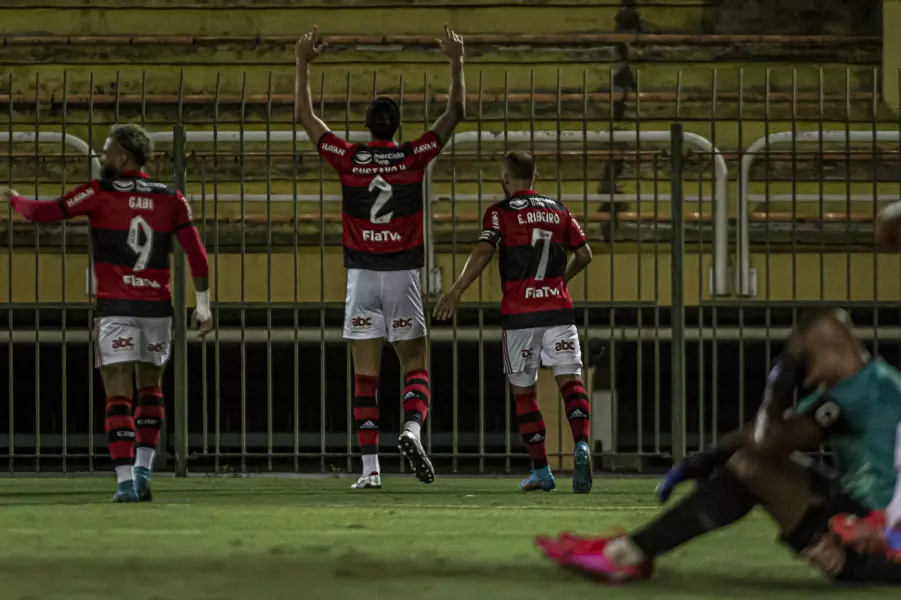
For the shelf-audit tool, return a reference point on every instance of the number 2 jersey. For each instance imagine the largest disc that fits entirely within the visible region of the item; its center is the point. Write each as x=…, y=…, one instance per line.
x=533, y=234
x=132, y=221
x=382, y=199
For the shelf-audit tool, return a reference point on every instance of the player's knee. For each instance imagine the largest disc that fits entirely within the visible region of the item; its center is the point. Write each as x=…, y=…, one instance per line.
x=117, y=379
x=524, y=380
x=746, y=464
x=412, y=354
x=148, y=375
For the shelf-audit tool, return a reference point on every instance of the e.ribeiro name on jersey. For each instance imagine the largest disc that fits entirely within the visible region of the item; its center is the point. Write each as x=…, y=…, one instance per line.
x=382, y=199
x=533, y=234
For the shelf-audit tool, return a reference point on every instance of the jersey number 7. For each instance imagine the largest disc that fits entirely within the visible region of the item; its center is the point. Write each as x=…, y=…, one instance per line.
x=542, y=237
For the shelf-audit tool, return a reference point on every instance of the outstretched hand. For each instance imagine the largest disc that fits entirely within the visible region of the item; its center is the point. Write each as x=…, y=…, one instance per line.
x=451, y=44
x=6, y=194
x=310, y=46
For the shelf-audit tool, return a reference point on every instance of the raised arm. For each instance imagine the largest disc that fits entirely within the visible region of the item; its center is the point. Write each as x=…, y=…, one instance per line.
x=452, y=45
x=306, y=51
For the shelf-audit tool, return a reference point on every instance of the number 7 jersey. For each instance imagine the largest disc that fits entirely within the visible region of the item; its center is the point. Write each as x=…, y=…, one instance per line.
x=533, y=233
x=382, y=199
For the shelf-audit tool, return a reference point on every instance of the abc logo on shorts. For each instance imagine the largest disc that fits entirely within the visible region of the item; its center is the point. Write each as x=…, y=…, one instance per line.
x=123, y=343
x=157, y=347
x=361, y=322
x=402, y=323
x=564, y=346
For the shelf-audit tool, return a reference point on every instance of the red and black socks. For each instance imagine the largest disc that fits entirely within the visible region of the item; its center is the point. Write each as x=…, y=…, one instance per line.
x=366, y=420
x=575, y=402
x=532, y=428
x=417, y=397
x=149, y=415
x=120, y=434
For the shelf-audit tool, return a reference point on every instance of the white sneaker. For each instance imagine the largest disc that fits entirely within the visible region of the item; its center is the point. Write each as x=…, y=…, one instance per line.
x=371, y=481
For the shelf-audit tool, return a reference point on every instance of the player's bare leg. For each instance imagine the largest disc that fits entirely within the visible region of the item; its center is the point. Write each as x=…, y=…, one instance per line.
x=578, y=408
x=413, y=358
x=150, y=411
x=367, y=359
x=532, y=429
x=120, y=426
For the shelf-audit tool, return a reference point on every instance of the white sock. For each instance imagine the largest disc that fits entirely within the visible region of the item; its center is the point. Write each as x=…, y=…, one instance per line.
x=413, y=427
x=144, y=457
x=124, y=473
x=370, y=464
x=623, y=551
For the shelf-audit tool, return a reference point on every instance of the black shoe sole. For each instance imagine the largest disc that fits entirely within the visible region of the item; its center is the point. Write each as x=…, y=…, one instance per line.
x=417, y=458
x=146, y=495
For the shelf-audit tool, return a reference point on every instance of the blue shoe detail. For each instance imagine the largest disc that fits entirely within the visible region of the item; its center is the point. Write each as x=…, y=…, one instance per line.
x=541, y=479
x=125, y=492
x=582, y=478
x=142, y=484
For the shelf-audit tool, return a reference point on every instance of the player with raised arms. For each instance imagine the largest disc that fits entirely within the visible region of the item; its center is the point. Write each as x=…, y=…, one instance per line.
x=132, y=221
x=533, y=234
x=382, y=217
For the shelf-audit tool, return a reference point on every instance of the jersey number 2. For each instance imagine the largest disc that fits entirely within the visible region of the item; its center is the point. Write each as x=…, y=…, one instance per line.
x=385, y=192
x=137, y=227
x=543, y=237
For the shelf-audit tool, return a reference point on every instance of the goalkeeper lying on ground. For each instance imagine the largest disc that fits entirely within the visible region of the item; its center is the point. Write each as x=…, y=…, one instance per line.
x=856, y=407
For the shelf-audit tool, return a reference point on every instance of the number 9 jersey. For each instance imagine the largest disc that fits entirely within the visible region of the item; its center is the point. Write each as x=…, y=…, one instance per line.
x=132, y=219
x=533, y=234
x=382, y=199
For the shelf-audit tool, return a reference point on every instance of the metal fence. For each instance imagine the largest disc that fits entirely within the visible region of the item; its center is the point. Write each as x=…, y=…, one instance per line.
x=707, y=236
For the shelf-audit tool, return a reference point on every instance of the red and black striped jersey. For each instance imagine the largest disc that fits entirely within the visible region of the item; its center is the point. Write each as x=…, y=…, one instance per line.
x=533, y=234
x=382, y=199
x=132, y=220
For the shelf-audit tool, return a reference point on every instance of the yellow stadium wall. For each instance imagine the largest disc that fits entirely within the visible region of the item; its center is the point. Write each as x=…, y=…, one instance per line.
x=633, y=277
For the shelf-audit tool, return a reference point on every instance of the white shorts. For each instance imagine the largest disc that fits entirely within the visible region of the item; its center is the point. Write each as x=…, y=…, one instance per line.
x=383, y=304
x=132, y=339
x=526, y=350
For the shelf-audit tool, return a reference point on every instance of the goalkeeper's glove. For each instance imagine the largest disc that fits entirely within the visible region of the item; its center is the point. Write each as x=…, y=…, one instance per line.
x=696, y=466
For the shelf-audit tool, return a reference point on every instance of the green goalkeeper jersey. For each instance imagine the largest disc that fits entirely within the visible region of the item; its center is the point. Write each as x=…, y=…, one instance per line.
x=861, y=416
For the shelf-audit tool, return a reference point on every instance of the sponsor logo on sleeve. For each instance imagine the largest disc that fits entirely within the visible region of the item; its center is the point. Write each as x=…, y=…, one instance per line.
x=79, y=197
x=333, y=149
x=425, y=147
x=495, y=221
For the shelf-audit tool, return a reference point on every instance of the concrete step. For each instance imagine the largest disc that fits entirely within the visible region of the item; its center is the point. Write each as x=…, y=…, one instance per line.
x=481, y=49
x=360, y=79
x=362, y=18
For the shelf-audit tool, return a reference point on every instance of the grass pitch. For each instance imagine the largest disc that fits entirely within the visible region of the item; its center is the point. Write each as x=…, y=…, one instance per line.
x=310, y=539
